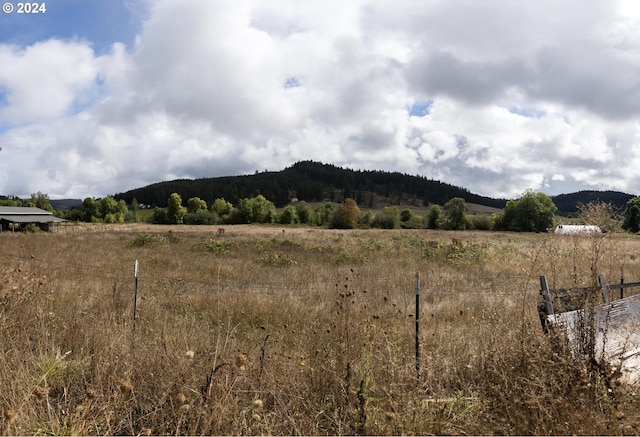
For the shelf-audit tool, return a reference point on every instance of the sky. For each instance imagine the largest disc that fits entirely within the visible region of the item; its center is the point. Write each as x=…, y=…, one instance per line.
x=99, y=97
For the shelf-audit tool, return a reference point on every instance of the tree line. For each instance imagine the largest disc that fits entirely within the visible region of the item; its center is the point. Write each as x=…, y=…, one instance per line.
x=532, y=212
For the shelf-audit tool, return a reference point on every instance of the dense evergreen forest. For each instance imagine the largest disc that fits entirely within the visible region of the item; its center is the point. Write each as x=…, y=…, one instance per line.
x=567, y=203
x=309, y=181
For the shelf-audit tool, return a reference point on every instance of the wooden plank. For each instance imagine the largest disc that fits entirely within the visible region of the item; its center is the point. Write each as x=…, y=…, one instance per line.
x=605, y=288
x=625, y=285
x=617, y=337
x=546, y=295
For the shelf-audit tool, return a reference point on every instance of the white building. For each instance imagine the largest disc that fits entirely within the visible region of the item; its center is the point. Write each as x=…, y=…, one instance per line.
x=577, y=229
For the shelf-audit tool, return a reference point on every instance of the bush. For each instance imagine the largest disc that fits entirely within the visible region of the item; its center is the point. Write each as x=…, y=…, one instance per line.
x=159, y=216
x=481, y=222
x=288, y=216
x=367, y=219
x=389, y=218
x=346, y=217
x=217, y=247
x=406, y=215
x=434, y=219
x=201, y=217
x=456, y=252
x=31, y=228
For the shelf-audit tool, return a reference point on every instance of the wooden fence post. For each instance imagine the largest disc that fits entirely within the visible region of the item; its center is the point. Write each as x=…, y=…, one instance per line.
x=546, y=295
x=605, y=288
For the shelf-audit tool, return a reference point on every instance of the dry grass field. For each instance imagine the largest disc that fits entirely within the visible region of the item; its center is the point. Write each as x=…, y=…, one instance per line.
x=306, y=331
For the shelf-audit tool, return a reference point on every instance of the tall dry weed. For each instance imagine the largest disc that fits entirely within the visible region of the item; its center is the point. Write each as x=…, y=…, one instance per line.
x=227, y=343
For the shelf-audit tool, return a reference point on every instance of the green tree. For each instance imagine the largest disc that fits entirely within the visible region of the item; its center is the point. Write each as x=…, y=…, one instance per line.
x=324, y=213
x=367, y=219
x=406, y=215
x=388, y=218
x=89, y=211
x=40, y=200
x=175, y=210
x=107, y=205
x=288, y=216
x=304, y=212
x=455, y=210
x=196, y=204
x=159, y=216
x=533, y=212
x=10, y=201
x=347, y=216
x=201, y=217
x=435, y=217
x=222, y=208
x=631, y=220
x=254, y=210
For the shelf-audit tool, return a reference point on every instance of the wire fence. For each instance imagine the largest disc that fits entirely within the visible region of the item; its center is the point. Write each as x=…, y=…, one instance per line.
x=362, y=279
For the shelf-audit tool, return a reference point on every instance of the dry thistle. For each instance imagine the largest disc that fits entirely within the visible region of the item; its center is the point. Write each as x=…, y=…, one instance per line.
x=241, y=361
x=190, y=354
x=9, y=415
x=125, y=387
x=41, y=393
x=181, y=398
x=257, y=404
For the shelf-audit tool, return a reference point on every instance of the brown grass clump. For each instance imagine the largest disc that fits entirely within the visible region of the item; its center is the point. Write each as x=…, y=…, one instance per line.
x=257, y=332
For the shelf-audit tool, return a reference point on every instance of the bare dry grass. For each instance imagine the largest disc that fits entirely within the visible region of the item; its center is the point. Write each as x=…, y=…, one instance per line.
x=306, y=331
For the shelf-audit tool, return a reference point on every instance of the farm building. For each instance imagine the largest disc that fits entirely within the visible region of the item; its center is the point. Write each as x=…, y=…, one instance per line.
x=577, y=229
x=12, y=218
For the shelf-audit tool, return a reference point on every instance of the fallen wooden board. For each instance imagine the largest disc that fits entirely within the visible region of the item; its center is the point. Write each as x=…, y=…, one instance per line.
x=616, y=333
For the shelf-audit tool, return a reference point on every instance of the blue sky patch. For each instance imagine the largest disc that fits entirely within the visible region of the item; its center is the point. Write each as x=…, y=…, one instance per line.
x=527, y=112
x=103, y=22
x=421, y=108
x=292, y=82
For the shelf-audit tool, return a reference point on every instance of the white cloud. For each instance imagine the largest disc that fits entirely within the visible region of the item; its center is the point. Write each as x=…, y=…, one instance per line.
x=520, y=95
x=43, y=81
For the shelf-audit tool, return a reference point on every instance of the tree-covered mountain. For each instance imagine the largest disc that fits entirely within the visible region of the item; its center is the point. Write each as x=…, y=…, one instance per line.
x=315, y=181
x=567, y=203
x=310, y=181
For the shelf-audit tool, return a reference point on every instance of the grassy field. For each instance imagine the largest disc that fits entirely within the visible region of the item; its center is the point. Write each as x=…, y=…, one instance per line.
x=265, y=331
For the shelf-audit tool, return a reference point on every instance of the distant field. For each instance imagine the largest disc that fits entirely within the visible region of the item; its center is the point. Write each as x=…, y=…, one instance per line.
x=264, y=330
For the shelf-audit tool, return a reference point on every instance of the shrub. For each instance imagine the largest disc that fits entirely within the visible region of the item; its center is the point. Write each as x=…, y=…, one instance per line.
x=31, y=228
x=288, y=216
x=217, y=247
x=481, y=222
x=389, y=218
x=143, y=240
x=346, y=217
x=456, y=252
x=201, y=217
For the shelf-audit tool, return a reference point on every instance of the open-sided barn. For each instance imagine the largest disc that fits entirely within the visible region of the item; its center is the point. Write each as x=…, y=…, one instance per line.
x=14, y=217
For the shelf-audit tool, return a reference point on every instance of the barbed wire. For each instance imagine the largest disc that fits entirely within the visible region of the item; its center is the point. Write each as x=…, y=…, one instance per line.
x=363, y=282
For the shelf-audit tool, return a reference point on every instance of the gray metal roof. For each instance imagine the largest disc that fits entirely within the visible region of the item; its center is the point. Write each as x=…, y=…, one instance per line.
x=22, y=210
x=19, y=214
x=32, y=218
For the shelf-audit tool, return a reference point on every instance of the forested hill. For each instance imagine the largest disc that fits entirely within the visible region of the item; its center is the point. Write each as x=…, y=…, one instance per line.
x=310, y=181
x=567, y=203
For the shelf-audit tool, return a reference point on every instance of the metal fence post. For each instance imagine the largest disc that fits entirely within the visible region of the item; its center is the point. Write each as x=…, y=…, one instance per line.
x=135, y=296
x=417, y=324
